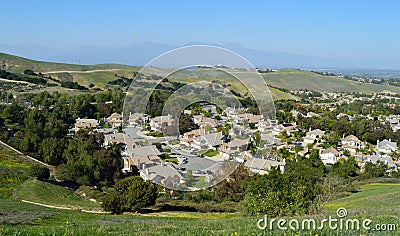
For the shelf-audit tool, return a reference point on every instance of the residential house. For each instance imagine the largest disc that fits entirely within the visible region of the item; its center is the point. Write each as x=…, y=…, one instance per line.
x=235, y=146
x=157, y=123
x=203, y=121
x=385, y=146
x=145, y=151
x=188, y=137
x=165, y=174
x=289, y=128
x=115, y=120
x=208, y=141
x=140, y=162
x=265, y=126
x=137, y=119
x=262, y=166
x=269, y=140
x=352, y=143
x=313, y=135
x=85, y=124
x=330, y=156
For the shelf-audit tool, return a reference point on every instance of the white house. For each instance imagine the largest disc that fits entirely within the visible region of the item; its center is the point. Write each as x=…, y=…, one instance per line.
x=386, y=146
x=330, y=156
x=208, y=141
x=313, y=135
x=352, y=143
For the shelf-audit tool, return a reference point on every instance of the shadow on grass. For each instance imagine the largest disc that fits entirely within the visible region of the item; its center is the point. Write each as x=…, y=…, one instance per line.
x=70, y=185
x=168, y=207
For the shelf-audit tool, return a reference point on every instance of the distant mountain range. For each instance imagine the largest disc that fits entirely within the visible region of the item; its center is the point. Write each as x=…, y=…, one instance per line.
x=142, y=52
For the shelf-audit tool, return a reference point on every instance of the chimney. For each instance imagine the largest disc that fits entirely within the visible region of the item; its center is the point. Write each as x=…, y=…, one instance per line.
x=147, y=171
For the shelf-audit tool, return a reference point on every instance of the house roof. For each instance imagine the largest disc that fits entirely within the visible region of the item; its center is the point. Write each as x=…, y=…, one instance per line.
x=114, y=116
x=270, y=139
x=146, y=151
x=331, y=150
x=351, y=138
x=386, y=144
x=237, y=142
x=137, y=160
x=316, y=132
x=86, y=123
x=262, y=164
x=160, y=172
x=214, y=139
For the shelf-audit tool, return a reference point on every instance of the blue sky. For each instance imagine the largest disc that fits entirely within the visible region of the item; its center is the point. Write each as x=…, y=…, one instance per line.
x=368, y=30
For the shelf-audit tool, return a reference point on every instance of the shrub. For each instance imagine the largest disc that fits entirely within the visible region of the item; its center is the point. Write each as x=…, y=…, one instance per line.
x=132, y=194
x=39, y=172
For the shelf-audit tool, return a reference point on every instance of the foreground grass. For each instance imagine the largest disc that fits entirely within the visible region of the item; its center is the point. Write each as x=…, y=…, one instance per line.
x=47, y=193
x=378, y=202
x=24, y=219
x=18, y=218
x=373, y=197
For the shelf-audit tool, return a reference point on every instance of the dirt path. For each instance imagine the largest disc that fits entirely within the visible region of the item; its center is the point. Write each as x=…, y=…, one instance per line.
x=14, y=81
x=79, y=71
x=65, y=208
x=29, y=157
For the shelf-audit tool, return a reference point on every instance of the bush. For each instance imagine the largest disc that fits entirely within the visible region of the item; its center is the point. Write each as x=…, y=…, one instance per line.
x=132, y=194
x=39, y=172
x=112, y=203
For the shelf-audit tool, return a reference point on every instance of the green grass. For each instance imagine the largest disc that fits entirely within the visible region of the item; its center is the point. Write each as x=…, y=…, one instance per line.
x=13, y=171
x=288, y=78
x=372, y=197
x=297, y=79
x=51, y=194
x=19, y=64
x=172, y=160
x=211, y=153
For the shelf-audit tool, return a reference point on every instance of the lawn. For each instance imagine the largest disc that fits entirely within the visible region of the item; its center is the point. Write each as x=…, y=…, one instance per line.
x=211, y=153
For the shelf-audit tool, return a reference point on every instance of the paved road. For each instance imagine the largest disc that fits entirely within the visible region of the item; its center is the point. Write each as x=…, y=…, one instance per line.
x=134, y=132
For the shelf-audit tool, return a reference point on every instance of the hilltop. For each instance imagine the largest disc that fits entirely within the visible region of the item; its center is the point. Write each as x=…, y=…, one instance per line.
x=298, y=79
x=99, y=75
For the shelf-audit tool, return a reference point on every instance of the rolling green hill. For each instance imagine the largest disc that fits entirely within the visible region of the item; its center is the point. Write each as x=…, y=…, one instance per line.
x=297, y=79
x=383, y=197
x=19, y=64
x=99, y=75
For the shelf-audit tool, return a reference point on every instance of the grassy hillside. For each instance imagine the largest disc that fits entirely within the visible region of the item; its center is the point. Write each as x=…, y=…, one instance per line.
x=99, y=75
x=19, y=218
x=372, y=197
x=297, y=79
x=47, y=193
x=378, y=202
x=19, y=64
x=13, y=171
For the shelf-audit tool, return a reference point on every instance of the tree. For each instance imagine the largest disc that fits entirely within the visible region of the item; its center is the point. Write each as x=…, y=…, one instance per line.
x=372, y=170
x=29, y=72
x=233, y=188
x=52, y=150
x=293, y=192
x=132, y=194
x=40, y=172
x=346, y=168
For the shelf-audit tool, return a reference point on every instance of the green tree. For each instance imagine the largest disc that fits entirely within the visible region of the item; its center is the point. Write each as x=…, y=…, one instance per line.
x=40, y=172
x=133, y=193
x=52, y=150
x=346, y=168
